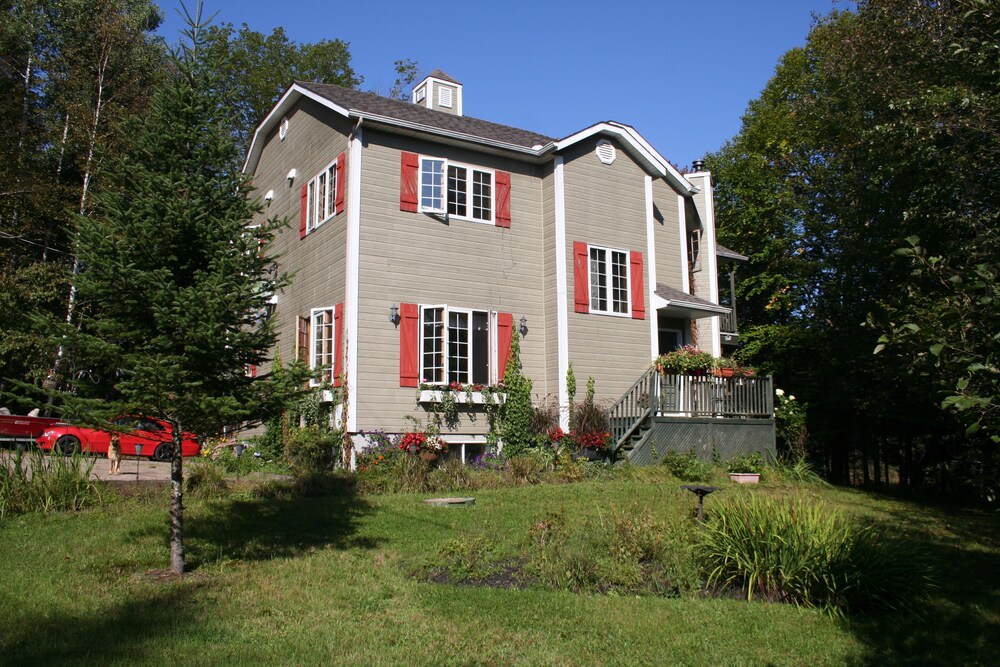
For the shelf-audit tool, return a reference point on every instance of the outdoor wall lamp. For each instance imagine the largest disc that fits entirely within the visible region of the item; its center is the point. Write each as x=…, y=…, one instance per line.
x=269, y=196
x=291, y=176
x=523, y=326
x=394, y=315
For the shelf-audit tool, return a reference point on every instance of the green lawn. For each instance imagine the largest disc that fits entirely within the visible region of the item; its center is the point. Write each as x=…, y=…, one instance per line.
x=307, y=581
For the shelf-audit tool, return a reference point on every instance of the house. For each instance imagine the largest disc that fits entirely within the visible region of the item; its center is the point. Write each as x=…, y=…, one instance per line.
x=427, y=239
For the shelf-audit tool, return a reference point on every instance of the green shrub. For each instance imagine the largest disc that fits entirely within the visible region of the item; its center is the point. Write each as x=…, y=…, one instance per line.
x=312, y=449
x=753, y=462
x=799, y=471
x=687, y=467
x=205, y=480
x=794, y=551
x=54, y=483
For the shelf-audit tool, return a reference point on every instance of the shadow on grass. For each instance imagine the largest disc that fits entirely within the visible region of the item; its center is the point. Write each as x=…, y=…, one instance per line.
x=960, y=622
x=281, y=526
x=122, y=634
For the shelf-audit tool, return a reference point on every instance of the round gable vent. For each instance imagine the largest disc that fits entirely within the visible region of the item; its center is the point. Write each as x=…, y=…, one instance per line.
x=606, y=151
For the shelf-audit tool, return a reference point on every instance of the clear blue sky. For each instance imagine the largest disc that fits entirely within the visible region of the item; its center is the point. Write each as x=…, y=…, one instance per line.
x=680, y=72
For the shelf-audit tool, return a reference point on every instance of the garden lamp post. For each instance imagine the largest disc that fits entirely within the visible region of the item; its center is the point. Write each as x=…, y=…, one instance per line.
x=138, y=455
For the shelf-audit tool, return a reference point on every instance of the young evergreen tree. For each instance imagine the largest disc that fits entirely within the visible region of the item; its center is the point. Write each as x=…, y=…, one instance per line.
x=175, y=285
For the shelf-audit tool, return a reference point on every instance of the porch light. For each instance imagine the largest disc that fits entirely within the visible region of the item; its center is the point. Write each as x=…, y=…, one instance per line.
x=291, y=176
x=394, y=315
x=523, y=326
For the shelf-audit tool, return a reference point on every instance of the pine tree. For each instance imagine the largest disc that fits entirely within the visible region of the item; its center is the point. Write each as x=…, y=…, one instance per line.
x=175, y=284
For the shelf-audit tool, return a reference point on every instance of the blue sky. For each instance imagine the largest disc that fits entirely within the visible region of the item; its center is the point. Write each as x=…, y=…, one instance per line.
x=680, y=72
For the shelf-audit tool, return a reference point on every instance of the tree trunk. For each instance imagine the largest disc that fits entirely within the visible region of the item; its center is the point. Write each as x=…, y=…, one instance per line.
x=177, y=502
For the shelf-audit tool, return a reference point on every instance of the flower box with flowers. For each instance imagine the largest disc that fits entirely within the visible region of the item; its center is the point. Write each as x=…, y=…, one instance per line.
x=468, y=394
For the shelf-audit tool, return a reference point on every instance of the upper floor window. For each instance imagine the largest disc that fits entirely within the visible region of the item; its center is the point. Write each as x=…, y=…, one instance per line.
x=468, y=192
x=322, y=197
x=694, y=250
x=609, y=281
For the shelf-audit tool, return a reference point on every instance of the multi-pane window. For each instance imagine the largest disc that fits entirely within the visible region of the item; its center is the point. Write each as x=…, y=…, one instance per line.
x=608, y=281
x=468, y=192
x=694, y=250
x=455, y=345
x=321, y=204
x=322, y=354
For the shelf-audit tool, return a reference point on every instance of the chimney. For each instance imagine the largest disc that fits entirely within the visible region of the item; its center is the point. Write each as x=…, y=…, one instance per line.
x=440, y=92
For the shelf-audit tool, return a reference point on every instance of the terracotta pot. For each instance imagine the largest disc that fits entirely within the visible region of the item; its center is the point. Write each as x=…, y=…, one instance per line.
x=724, y=372
x=430, y=457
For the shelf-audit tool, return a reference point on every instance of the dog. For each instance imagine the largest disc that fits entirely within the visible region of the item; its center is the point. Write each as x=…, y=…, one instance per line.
x=115, y=455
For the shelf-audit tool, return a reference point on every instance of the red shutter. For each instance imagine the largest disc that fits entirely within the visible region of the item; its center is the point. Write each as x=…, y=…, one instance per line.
x=303, y=210
x=341, y=183
x=408, y=168
x=409, y=321
x=505, y=332
x=581, y=277
x=503, y=199
x=338, y=343
x=638, y=294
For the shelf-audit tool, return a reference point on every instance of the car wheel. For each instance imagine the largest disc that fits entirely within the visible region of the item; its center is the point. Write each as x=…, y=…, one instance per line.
x=67, y=445
x=163, y=452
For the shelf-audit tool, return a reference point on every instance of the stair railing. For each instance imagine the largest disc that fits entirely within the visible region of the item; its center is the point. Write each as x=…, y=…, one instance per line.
x=632, y=409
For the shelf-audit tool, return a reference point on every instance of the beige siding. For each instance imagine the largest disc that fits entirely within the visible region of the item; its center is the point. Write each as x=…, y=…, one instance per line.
x=422, y=259
x=315, y=138
x=606, y=206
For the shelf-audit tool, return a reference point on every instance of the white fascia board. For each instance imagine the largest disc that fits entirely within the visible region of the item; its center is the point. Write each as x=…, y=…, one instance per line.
x=675, y=175
x=287, y=101
x=460, y=136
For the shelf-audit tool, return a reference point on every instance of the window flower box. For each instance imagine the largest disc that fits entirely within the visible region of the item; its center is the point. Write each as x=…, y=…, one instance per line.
x=462, y=397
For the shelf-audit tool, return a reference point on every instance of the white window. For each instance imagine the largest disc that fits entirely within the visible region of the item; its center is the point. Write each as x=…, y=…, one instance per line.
x=321, y=354
x=322, y=201
x=694, y=250
x=608, y=281
x=456, y=345
x=468, y=192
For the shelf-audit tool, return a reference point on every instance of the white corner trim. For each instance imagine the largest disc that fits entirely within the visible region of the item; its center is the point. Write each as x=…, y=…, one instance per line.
x=351, y=309
x=682, y=225
x=654, y=330
x=562, y=292
x=713, y=260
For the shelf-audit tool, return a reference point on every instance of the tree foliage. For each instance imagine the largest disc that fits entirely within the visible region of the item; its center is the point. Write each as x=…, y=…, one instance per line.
x=175, y=285
x=883, y=128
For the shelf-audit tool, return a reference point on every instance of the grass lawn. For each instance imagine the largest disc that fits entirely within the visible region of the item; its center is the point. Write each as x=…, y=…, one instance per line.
x=306, y=581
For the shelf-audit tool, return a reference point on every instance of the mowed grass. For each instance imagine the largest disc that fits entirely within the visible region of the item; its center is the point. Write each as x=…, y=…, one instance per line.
x=304, y=581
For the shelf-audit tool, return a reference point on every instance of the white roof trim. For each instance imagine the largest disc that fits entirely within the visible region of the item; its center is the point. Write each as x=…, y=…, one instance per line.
x=711, y=309
x=627, y=134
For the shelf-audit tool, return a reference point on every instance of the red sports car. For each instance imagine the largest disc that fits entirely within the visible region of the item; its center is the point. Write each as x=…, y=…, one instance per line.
x=153, y=434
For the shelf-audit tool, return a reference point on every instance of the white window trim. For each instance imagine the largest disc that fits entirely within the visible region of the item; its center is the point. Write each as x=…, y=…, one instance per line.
x=470, y=168
x=313, y=219
x=628, y=284
x=492, y=352
x=313, y=329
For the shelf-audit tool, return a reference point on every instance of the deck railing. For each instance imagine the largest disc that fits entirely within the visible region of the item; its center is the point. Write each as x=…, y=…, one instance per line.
x=727, y=323
x=709, y=396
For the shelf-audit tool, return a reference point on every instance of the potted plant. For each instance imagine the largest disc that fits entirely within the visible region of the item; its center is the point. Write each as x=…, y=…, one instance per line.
x=730, y=368
x=429, y=448
x=687, y=360
x=746, y=469
x=591, y=446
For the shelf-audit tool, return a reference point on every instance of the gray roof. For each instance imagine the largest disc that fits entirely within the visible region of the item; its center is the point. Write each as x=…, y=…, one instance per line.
x=438, y=74
x=384, y=106
x=682, y=298
x=723, y=251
